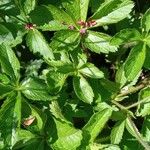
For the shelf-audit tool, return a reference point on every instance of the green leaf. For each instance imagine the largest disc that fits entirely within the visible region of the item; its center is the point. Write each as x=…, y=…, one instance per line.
x=147, y=62
x=72, y=8
x=69, y=138
x=120, y=76
x=135, y=61
x=25, y=6
x=54, y=25
x=146, y=21
x=117, y=132
x=37, y=15
x=146, y=128
x=10, y=118
x=95, y=125
x=99, y=42
x=82, y=89
x=125, y=36
x=144, y=108
x=4, y=90
x=29, y=5
x=9, y=62
x=91, y=71
x=65, y=40
x=11, y=34
x=37, y=43
x=24, y=137
x=55, y=81
x=112, y=11
x=39, y=118
x=84, y=9
x=60, y=15
x=57, y=112
x=36, y=89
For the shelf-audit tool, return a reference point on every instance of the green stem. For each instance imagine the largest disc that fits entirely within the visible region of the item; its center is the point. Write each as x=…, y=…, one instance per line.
x=137, y=103
x=138, y=135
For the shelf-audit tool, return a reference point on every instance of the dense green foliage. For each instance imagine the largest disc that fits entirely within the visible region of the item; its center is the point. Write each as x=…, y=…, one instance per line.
x=74, y=75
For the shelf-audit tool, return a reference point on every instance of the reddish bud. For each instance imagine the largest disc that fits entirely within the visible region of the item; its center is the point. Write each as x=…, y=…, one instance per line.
x=71, y=27
x=81, y=23
x=30, y=26
x=82, y=31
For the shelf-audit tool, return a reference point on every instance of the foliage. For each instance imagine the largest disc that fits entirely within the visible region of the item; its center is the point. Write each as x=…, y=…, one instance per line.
x=74, y=75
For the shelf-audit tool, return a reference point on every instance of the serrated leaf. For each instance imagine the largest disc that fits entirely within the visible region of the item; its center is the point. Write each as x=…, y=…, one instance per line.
x=125, y=36
x=9, y=62
x=117, y=132
x=135, y=61
x=84, y=9
x=38, y=44
x=95, y=125
x=69, y=138
x=91, y=71
x=55, y=81
x=10, y=118
x=112, y=11
x=82, y=89
x=146, y=21
x=36, y=89
x=99, y=42
x=144, y=109
x=65, y=40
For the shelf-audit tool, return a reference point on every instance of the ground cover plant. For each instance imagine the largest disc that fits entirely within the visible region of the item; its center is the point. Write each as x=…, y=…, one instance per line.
x=74, y=75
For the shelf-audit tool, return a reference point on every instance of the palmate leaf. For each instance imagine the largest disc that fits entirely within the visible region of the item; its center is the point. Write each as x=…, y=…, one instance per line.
x=144, y=109
x=135, y=61
x=38, y=44
x=82, y=89
x=112, y=11
x=69, y=138
x=95, y=126
x=125, y=36
x=98, y=42
x=10, y=119
x=91, y=71
x=65, y=40
x=36, y=89
x=117, y=132
x=9, y=62
x=145, y=22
